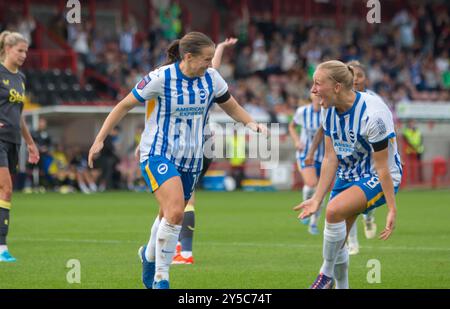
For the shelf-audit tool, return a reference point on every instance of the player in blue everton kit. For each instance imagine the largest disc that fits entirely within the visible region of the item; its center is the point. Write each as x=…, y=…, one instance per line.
x=178, y=98
x=361, y=151
x=308, y=117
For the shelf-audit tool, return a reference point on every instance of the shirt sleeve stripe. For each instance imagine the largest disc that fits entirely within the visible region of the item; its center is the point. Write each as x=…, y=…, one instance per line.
x=137, y=96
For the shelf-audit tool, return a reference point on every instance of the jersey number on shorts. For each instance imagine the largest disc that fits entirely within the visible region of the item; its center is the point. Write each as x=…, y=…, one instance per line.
x=373, y=182
x=194, y=181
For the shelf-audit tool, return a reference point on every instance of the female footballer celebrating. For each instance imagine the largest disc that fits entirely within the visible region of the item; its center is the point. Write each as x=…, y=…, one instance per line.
x=171, y=147
x=361, y=151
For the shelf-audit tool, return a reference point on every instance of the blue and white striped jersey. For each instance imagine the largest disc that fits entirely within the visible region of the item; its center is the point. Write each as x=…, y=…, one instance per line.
x=310, y=121
x=177, y=110
x=353, y=133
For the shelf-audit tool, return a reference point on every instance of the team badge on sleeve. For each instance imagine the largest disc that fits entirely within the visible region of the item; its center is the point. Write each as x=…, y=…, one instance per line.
x=380, y=126
x=143, y=82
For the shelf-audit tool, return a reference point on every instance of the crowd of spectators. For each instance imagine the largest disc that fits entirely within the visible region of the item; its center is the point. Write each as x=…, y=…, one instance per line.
x=64, y=168
x=270, y=69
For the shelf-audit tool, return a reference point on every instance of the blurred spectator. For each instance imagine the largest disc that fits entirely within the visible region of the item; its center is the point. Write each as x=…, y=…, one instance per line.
x=414, y=149
x=44, y=142
x=80, y=43
x=236, y=155
x=79, y=167
x=405, y=24
x=26, y=27
x=143, y=57
x=289, y=56
x=243, y=63
x=108, y=160
x=170, y=21
x=259, y=58
x=126, y=41
x=129, y=164
x=226, y=68
x=133, y=78
x=253, y=105
x=59, y=169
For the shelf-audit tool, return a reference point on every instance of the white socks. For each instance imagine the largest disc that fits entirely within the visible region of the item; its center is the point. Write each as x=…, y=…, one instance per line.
x=333, y=239
x=353, y=235
x=369, y=216
x=3, y=248
x=308, y=192
x=341, y=269
x=151, y=246
x=167, y=238
x=186, y=254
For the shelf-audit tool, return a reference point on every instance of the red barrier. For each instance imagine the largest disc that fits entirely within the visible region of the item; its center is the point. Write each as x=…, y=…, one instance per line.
x=45, y=59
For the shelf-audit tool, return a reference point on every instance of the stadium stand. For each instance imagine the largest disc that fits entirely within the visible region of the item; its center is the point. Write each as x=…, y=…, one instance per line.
x=280, y=43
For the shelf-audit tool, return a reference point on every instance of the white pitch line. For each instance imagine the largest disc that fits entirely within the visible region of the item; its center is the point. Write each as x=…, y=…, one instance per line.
x=234, y=244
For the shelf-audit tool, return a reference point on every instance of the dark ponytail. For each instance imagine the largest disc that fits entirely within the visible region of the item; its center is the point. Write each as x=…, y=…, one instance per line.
x=173, y=52
x=192, y=42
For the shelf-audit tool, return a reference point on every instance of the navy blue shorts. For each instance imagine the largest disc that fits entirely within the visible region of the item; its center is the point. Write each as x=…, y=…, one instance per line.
x=371, y=187
x=9, y=155
x=157, y=170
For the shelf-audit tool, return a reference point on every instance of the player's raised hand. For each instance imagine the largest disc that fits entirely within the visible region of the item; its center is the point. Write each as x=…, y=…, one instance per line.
x=308, y=208
x=93, y=152
x=228, y=42
x=390, y=225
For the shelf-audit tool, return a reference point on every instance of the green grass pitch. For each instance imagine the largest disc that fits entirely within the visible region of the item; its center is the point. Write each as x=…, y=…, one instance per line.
x=243, y=240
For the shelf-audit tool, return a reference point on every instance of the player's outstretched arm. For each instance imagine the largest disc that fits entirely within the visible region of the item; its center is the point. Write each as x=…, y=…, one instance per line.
x=327, y=173
x=294, y=135
x=217, y=59
x=235, y=111
x=309, y=159
x=118, y=112
x=382, y=168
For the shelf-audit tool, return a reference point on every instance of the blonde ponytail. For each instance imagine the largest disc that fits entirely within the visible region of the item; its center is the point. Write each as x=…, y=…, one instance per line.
x=339, y=72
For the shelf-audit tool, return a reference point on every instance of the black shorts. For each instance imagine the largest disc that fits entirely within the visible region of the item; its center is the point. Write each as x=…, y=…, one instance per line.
x=9, y=155
x=206, y=163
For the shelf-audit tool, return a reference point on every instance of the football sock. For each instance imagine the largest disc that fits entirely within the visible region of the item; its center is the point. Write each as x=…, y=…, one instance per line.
x=167, y=238
x=341, y=269
x=186, y=254
x=151, y=246
x=333, y=239
x=83, y=187
x=369, y=216
x=187, y=229
x=93, y=187
x=308, y=192
x=353, y=235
